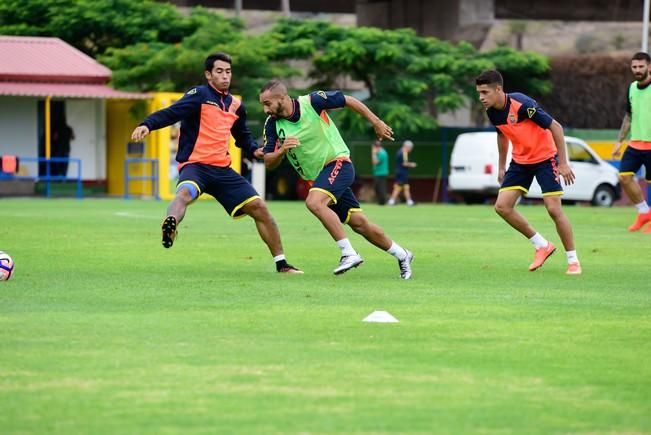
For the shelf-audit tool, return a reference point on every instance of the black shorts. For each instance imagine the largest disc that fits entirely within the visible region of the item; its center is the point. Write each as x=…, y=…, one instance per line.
x=520, y=176
x=402, y=178
x=227, y=186
x=335, y=180
x=632, y=161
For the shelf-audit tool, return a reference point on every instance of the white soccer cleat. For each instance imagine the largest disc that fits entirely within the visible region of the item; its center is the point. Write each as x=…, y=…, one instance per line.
x=348, y=262
x=405, y=265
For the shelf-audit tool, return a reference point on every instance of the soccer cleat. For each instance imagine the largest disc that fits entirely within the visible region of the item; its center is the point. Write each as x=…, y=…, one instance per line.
x=348, y=262
x=405, y=265
x=647, y=229
x=169, y=231
x=574, y=269
x=411, y=203
x=288, y=268
x=542, y=254
x=640, y=221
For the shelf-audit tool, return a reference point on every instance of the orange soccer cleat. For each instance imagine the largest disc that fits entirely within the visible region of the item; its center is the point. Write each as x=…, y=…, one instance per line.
x=640, y=221
x=574, y=269
x=542, y=254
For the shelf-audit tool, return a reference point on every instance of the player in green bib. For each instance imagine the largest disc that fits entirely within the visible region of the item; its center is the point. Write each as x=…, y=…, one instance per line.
x=301, y=129
x=638, y=153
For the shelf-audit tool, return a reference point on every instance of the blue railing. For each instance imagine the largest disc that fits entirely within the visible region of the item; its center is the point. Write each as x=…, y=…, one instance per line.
x=153, y=177
x=48, y=178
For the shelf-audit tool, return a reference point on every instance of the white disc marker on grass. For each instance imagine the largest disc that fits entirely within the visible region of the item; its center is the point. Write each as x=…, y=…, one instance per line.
x=380, y=317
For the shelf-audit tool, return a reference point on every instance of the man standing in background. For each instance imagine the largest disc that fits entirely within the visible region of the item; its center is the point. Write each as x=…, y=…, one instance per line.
x=403, y=164
x=638, y=153
x=380, y=159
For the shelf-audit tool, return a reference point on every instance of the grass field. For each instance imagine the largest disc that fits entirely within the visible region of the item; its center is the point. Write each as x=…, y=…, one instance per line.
x=104, y=331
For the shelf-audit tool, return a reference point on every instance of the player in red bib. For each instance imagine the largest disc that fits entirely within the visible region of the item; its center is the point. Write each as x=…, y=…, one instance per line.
x=538, y=150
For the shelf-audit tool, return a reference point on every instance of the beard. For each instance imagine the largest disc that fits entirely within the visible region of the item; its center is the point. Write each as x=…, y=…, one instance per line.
x=276, y=112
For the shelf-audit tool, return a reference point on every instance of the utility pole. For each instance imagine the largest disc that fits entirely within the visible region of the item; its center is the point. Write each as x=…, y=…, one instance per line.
x=287, y=12
x=238, y=8
x=645, y=27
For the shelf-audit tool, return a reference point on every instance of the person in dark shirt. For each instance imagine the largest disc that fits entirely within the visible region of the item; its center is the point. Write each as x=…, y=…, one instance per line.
x=209, y=115
x=403, y=164
x=538, y=150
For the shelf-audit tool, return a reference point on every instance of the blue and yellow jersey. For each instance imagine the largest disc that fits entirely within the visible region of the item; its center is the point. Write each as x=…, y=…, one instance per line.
x=208, y=119
x=402, y=157
x=527, y=127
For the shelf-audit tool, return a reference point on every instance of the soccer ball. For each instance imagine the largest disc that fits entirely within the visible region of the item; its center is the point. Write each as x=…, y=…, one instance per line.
x=6, y=266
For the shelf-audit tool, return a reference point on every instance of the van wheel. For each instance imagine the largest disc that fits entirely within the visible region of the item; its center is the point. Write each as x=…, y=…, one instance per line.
x=604, y=196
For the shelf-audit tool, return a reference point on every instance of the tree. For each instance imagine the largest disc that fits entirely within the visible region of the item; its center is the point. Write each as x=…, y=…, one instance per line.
x=93, y=26
x=409, y=78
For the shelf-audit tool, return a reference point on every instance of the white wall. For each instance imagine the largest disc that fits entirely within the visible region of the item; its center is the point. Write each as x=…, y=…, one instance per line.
x=88, y=120
x=18, y=128
x=19, y=133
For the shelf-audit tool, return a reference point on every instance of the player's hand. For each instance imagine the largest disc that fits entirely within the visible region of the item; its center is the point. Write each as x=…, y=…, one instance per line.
x=500, y=175
x=258, y=154
x=140, y=133
x=382, y=131
x=291, y=142
x=413, y=165
x=566, y=172
x=617, y=149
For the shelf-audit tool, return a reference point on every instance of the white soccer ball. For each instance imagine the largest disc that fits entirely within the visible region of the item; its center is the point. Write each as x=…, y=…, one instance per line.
x=6, y=266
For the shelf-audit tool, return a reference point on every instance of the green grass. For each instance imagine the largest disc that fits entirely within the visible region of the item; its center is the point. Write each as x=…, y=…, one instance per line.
x=104, y=331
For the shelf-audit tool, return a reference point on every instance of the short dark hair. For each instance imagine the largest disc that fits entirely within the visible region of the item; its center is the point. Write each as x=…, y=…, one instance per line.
x=490, y=77
x=641, y=55
x=272, y=84
x=209, y=64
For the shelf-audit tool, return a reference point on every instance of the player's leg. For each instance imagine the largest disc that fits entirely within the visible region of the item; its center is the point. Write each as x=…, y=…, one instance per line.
x=407, y=191
x=269, y=233
x=188, y=189
x=317, y=202
x=516, y=181
x=647, y=166
x=380, y=189
x=240, y=199
x=372, y=232
x=335, y=178
x=632, y=161
x=564, y=230
x=395, y=193
x=549, y=180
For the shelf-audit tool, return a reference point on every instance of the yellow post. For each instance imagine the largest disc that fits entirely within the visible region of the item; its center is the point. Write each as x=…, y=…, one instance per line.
x=48, y=143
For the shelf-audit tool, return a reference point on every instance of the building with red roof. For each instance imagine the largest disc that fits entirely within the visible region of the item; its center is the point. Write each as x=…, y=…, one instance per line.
x=40, y=75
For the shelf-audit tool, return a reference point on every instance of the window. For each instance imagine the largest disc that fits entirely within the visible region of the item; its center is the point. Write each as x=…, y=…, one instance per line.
x=576, y=153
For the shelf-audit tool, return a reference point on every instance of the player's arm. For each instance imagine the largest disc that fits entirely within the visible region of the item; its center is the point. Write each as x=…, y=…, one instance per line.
x=374, y=156
x=188, y=104
x=564, y=168
x=243, y=137
x=272, y=149
x=382, y=130
x=502, y=151
x=623, y=130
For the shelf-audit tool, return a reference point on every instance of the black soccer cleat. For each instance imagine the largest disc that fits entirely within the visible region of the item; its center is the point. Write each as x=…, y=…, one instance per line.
x=288, y=268
x=169, y=231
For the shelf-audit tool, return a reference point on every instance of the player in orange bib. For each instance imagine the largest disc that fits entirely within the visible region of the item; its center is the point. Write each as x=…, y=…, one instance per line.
x=538, y=150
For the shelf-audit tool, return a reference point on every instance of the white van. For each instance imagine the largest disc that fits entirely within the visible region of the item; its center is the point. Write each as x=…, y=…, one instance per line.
x=474, y=164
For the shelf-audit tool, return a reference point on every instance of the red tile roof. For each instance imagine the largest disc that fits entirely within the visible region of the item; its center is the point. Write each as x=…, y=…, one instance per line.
x=26, y=58
x=39, y=66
